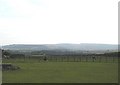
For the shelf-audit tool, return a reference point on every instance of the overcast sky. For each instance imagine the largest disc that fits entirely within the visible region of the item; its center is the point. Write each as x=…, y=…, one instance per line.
x=58, y=21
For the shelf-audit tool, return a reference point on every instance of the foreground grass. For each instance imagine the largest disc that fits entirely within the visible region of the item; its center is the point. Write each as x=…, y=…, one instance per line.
x=63, y=72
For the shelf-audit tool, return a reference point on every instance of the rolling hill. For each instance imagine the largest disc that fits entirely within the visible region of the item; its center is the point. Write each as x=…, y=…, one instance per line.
x=63, y=46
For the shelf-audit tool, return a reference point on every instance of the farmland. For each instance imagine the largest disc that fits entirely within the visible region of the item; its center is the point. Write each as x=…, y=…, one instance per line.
x=61, y=72
x=61, y=68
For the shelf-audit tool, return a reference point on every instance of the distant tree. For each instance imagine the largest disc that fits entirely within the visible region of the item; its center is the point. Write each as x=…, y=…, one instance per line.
x=5, y=54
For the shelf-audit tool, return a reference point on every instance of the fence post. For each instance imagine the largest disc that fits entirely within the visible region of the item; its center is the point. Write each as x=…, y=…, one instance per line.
x=86, y=59
x=74, y=58
x=80, y=58
x=77, y=58
x=62, y=58
x=99, y=58
x=113, y=59
x=67, y=59
x=24, y=57
x=106, y=58
x=93, y=58
x=50, y=58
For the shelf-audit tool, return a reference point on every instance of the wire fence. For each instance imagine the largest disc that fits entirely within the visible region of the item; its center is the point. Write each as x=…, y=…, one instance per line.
x=100, y=59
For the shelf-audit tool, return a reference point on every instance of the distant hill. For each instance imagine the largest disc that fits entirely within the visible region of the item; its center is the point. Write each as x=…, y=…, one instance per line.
x=64, y=46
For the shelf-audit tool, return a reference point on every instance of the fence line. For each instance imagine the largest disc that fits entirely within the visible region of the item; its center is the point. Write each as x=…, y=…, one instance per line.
x=65, y=59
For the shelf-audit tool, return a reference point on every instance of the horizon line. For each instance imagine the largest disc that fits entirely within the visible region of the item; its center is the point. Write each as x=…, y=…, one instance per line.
x=56, y=43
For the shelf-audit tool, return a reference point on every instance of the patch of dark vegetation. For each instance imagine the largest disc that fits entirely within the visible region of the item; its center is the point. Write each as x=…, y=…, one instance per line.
x=9, y=66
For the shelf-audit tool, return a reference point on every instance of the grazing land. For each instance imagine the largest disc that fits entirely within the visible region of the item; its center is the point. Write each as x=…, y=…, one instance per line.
x=62, y=72
x=60, y=67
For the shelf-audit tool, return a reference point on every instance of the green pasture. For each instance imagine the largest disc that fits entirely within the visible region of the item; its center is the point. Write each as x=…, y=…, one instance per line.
x=61, y=72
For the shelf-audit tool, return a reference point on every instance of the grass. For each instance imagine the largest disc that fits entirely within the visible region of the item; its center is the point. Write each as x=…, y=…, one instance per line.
x=63, y=72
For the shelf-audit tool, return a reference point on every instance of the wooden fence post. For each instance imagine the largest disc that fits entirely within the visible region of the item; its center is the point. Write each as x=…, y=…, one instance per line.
x=80, y=58
x=86, y=59
x=99, y=58
x=113, y=59
x=106, y=58
x=74, y=58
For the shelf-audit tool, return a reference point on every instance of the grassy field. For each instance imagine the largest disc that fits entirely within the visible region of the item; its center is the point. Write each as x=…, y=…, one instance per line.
x=62, y=72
